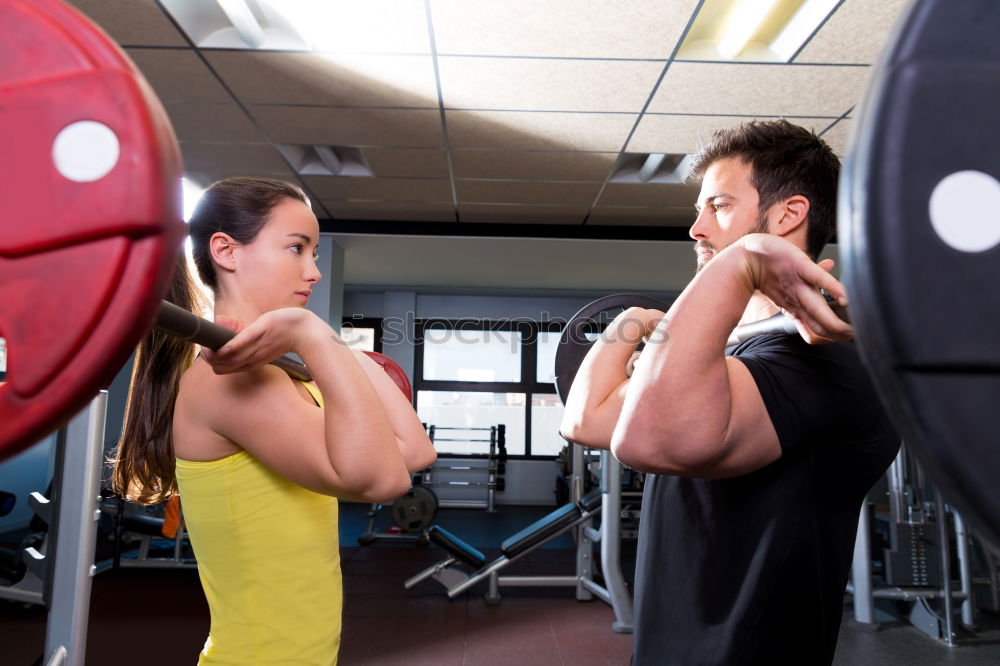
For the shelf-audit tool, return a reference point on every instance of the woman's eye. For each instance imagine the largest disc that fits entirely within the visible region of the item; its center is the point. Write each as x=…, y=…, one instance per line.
x=297, y=248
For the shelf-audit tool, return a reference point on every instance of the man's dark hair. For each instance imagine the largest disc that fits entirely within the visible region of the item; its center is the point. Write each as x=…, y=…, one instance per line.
x=784, y=160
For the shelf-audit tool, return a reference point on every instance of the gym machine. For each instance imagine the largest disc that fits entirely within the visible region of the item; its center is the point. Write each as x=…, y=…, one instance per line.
x=58, y=569
x=916, y=568
x=454, y=480
x=131, y=521
x=578, y=514
x=414, y=512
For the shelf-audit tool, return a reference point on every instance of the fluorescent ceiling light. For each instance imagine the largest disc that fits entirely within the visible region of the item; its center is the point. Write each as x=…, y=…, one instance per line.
x=650, y=166
x=244, y=22
x=801, y=27
x=329, y=159
x=743, y=22
x=190, y=194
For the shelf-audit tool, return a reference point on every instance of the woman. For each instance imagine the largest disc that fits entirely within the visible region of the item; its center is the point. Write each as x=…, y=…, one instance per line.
x=258, y=457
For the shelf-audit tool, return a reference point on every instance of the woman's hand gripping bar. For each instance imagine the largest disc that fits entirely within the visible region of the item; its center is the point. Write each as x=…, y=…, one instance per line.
x=179, y=323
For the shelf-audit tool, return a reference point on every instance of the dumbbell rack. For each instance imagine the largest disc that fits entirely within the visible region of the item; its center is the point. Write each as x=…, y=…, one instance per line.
x=449, y=475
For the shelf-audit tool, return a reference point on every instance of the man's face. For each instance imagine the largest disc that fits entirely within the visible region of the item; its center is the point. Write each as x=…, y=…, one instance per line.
x=727, y=208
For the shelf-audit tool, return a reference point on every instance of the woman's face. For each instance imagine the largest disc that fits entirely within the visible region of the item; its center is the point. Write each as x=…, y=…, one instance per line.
x=278, y=269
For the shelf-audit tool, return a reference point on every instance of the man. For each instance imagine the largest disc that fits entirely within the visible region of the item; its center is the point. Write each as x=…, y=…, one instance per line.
x=758, y=455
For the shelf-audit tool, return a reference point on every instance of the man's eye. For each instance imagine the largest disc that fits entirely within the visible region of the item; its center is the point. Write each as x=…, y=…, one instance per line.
x=297, y=248
x=719, y=206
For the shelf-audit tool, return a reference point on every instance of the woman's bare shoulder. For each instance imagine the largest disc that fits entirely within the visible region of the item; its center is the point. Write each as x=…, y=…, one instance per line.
x=196, y=410
x=210, y=406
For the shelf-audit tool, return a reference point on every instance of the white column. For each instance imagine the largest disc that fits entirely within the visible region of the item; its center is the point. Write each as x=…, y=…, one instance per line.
x=328, y=294
x=398, y=314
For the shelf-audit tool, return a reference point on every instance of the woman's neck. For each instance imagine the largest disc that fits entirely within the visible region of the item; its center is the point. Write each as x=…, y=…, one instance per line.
x=239, y=310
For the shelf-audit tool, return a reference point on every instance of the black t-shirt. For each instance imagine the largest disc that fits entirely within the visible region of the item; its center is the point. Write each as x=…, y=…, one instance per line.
x=752, y=570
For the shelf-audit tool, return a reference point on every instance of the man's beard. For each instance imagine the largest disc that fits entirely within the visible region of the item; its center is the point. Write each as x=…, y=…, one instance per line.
x=759, y=228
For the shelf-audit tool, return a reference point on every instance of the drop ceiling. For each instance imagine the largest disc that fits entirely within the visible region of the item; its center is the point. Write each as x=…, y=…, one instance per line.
x=483, y=117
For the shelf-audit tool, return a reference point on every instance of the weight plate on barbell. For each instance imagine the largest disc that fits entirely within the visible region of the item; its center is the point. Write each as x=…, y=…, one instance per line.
x=574, y=344
x=90, y=220
x=920, y=244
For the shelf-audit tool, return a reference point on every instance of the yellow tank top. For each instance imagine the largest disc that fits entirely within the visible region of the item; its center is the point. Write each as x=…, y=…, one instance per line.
x=269, y=561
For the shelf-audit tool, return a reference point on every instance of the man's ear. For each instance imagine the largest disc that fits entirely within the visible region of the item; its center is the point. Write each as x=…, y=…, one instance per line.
x=222, y=247
x=793, y=212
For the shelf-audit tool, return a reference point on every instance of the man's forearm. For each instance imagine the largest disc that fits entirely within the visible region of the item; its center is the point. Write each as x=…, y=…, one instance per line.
x=595, y=399
x=679, y=396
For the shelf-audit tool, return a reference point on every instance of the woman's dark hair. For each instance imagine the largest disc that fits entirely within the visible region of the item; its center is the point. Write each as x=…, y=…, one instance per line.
x=143, y=464
x=784, y=160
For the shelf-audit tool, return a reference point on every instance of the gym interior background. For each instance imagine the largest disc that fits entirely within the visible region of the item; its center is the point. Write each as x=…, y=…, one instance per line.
x=481, y=171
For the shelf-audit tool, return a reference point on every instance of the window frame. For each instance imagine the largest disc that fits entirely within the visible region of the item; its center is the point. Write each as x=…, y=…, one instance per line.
x=529, y=363
x=366, y=322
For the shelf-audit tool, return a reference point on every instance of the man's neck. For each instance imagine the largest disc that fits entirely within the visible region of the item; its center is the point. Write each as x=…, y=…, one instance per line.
x=759, y=307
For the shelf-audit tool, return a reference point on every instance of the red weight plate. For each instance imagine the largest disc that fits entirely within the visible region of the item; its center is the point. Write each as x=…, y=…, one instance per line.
x=83, y=265
x=395, y=372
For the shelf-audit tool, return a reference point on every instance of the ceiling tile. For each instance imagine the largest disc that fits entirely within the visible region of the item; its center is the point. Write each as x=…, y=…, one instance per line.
x=838, y=135
x=383, y=210
x=766, y=90
x=560, y=28
x=262, y=77
x=233, y=159
x=538, y=131
x=593, y=167
x=211, y=122
x=649, y=194
x=855, y=33
x=380, y=189
x=640, y=217
x=318, y=209
x=522, y=214
x=391, y=163
x=132, y=22
x=374, y=26
x=178, y=75
x=546, y=85
x=686, y=134
x=351, y=127
x=524, y=192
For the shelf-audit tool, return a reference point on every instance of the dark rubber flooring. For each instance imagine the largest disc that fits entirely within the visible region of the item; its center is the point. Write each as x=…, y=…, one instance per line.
x=156, y=616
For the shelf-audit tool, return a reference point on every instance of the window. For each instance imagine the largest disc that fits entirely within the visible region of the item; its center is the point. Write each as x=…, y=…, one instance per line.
x=545, y=370
x=472, y=409
x=546, y=414
x=471, y=355
x=362, y=333
x=474, y=373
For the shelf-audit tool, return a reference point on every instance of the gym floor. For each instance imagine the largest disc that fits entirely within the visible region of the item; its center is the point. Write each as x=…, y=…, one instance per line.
x=158, y=616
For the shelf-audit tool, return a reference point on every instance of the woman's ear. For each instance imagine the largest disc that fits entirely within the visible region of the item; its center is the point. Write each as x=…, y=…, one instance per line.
x=223, y=249
x=794, y=211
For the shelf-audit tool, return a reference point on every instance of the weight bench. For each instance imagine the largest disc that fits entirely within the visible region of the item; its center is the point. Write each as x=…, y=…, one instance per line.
x=533, y=536
x=149, y=528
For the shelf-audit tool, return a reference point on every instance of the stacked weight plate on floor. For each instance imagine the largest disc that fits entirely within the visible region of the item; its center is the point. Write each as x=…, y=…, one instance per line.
x=90, y=216
x=415, y=511
x=919, y=229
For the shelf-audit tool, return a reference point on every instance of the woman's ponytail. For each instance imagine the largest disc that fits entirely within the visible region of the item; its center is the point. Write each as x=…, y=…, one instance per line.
x=143, y=465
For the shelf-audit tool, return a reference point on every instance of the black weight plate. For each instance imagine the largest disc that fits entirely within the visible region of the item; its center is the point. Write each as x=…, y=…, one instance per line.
x=923, y=300
x=415, y=511
x=573, y=343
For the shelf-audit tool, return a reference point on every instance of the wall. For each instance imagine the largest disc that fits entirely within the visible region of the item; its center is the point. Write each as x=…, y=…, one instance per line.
x=529, y=482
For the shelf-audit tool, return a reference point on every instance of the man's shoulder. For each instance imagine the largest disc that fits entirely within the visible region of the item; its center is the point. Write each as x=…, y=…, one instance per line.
x=791, y=345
